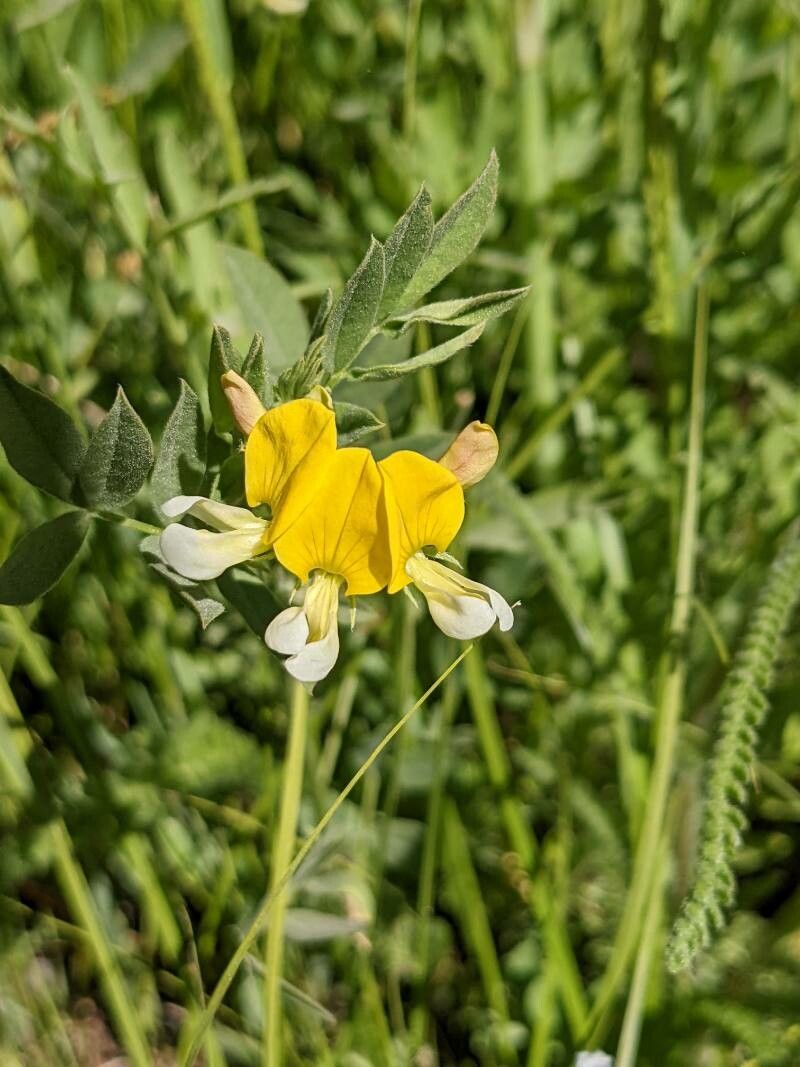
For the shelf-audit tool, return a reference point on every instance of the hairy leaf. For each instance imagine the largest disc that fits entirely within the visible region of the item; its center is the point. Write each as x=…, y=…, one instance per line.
x=118, y=459
x=41, y=557
x=405, y=249
x=41, y=441
x=457, y=233
x=354, y=312
x=255, y=371
x=321, y=317
x=181, y=460
x=425, y=359
x=467, y=312
x=354, y=422
x=222, y=357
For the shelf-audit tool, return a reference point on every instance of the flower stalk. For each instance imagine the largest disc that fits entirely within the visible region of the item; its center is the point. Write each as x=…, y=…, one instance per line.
x=291, y=794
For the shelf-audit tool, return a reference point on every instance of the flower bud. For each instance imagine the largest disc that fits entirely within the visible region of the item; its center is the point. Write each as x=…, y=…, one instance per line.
x=243, y=401
x=473, y=453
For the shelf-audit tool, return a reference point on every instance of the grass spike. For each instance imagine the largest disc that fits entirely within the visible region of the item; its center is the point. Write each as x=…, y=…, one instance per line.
x=743, y=708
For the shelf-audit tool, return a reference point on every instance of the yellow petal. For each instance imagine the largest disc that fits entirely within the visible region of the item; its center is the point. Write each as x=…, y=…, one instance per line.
x=425, y=506
x=288, y=444
x=473, y=453
x=343, y=531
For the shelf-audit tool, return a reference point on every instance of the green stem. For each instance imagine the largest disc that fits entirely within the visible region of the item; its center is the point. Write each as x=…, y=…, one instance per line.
x=252, y=932
x=410, y=73
x=129, y=523
x=219, y=99
x=506, y=359
x=670, y=706
x=634, y=1009
x=281, y=857
x=79, y=900
x=524, y=843
x=431, y=858
x=531, y=37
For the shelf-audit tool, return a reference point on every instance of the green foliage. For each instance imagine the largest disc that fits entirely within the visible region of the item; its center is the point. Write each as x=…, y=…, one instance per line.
x=180, y=462
x=118, y=459
x=222, y=357
x=267, y=306
x=354, y=422
x=446, y=350
x=353, y=314
x=208, y=162
x=41, y=557
x=256, y=372
x=40, y=440
x=405, y=248
x=456, y=234
x=743, y=708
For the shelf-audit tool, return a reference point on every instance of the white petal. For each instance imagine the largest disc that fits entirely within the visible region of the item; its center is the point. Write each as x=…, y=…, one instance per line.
x=317, y=659
x=288, y=632
x=201, y=554
x=212, y=512
x=460, y=607
x=462, y=617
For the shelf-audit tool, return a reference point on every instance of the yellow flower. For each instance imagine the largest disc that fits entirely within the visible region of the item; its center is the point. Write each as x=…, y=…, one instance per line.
x=340, y=540
x=425, y=508
x=285, y=451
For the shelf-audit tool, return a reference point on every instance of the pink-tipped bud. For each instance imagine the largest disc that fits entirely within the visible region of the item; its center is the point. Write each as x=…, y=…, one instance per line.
x=243, y=401
x=473, y=453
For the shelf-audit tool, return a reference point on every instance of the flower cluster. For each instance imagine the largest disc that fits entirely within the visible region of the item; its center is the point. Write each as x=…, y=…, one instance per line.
x=339, y=521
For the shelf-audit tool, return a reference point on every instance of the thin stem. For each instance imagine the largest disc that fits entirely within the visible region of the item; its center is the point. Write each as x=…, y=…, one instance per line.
x=281, y=857
x=207, y=1017
x=410, y=75
x=79, y=900
x=128, y=522
x=506, y=359
x=670, y=706
x=632, y=1021
x=219, y=100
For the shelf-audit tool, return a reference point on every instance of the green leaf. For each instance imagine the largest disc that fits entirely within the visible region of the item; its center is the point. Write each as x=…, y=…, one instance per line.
x=118, y=459
x=41, y=557
x=425, y=359
x=405, y=249
x=117, y=163
x=255, y=371
x=206, y=608
x=223, y=356
x=248, y=594
x=321, y=317
x=354, y=312
x=457, y=233
x=153, y=56
x=181, y=460
x=41, y=441
x=268, y=305
x=468, y=312
x=39, y=12
x=354, y=422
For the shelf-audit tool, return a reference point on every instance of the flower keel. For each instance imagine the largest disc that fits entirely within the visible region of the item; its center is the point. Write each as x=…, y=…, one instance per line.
x=309, y=635
x=460, y=607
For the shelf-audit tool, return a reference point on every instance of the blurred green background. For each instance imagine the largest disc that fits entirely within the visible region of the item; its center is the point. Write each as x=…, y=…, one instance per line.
x=462, y=908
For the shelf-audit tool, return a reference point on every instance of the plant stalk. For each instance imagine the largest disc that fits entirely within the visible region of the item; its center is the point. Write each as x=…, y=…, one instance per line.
x=670, y=707
x=291, y=794
x=252, y=932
